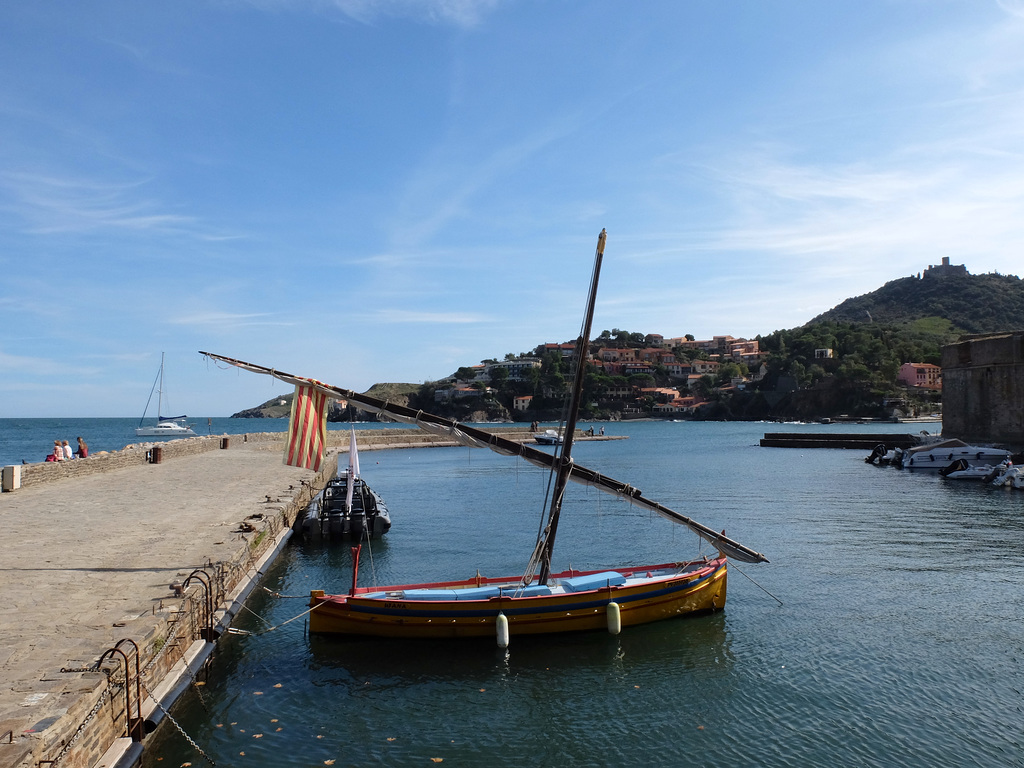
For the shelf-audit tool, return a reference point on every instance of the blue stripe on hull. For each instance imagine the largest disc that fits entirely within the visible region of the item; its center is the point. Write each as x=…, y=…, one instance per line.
x=512, y=607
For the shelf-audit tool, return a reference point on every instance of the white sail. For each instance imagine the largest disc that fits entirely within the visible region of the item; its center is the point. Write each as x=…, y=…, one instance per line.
x=353, y=467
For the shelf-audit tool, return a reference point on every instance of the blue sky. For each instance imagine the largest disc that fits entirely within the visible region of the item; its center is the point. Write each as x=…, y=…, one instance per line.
x=385, y=190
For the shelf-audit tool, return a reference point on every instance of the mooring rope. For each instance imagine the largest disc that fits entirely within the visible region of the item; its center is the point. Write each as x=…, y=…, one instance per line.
x=773, y=597
x=233, y=631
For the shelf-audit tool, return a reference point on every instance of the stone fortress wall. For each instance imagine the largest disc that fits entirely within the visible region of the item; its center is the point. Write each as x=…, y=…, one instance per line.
x=983, y=389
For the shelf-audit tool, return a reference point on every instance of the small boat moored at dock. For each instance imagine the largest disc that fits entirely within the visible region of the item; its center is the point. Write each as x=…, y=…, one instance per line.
x=336, y=514
x=347, y=507
x=548, y=437
x=986, y=473
x=936, y=456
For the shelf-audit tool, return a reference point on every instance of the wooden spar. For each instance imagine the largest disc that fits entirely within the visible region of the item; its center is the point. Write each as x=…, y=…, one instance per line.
x=478, y=438
x=565, y=455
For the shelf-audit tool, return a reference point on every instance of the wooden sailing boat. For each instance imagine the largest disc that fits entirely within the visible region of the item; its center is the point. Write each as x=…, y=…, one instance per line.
x=538, y=601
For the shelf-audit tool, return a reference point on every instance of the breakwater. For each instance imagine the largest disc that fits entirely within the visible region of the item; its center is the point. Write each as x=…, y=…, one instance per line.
x=142, y=453
x=865, y=441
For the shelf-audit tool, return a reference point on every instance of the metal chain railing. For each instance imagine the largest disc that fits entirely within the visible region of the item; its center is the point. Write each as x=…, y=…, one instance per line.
x=177, y=725
x=108, y=693
x=173, y=635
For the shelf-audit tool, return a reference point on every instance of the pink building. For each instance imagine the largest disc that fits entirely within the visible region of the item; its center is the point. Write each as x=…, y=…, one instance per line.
x=923, y=375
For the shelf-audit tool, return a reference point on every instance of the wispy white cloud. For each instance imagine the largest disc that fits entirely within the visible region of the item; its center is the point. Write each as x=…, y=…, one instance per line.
x=1012, y=7
x=48, y=204
x=412, y=316
x=458, y=13
x=443, y=187
x=225, y=320
x=875, y=213
x=955, y=189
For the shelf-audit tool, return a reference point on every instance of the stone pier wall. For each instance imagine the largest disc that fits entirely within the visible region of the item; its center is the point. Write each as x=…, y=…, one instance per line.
x=97, y=716
x=141, y=453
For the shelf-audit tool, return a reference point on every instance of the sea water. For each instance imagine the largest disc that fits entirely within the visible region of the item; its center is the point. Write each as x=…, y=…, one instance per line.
x=30, y=440
x=887, y=629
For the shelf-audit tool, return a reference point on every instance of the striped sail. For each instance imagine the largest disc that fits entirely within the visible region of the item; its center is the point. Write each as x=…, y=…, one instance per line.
x=307, y=428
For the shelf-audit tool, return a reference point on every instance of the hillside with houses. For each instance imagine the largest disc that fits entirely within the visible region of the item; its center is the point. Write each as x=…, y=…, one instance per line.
x=629, y=375
x=874, y=356
x=632, y=375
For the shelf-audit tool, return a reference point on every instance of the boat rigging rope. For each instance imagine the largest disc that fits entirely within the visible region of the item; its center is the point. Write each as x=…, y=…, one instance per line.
x=288, y=621
x=773, y=597
x=369, y=549
x=366, y=535
x=290, y=597
x=250, y=610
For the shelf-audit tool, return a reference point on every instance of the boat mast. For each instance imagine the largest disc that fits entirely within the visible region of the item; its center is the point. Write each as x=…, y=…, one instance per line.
x=565, y=459
x=158, y=381
x=160, y=393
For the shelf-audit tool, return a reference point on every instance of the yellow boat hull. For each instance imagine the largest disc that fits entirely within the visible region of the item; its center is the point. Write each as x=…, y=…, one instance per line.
x=650, y=593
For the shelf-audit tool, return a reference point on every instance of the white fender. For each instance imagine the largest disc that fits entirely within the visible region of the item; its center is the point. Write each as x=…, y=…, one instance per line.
x=614, y=618
x=501, y=624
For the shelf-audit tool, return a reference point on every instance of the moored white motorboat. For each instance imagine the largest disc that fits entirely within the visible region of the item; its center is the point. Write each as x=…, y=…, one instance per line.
x=986, y=473
x=883, y=456
x=1013, y=477
x=548, y=437
x=347, y=507
x=937, y=456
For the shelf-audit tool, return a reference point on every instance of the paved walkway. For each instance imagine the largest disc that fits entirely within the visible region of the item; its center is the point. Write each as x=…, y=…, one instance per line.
x=86, y=562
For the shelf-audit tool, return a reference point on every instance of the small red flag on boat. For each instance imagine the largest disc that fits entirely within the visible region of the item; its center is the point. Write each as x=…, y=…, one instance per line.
x=307, y=429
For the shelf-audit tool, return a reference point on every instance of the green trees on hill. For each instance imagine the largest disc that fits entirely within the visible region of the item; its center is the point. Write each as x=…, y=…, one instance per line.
x=869, y=337
x=870, y=352
x=974, y=303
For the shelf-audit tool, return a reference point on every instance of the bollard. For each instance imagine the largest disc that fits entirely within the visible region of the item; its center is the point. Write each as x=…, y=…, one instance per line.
x=224, y=442
x=156, y=454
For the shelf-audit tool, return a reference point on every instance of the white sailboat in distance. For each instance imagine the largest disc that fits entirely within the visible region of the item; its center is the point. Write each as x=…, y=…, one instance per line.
x=166, y=426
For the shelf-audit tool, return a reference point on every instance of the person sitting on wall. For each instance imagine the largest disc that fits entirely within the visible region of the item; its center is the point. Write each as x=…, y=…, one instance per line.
x=68, y=454
x=83, y=449
x=58, y=451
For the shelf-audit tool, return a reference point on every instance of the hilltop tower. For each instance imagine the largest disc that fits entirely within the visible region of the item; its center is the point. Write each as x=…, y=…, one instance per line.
x=946, y=269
